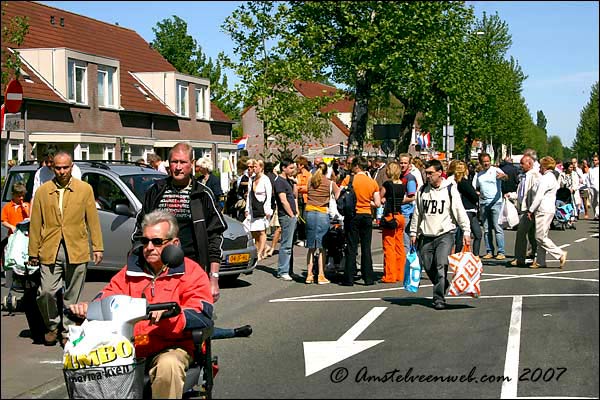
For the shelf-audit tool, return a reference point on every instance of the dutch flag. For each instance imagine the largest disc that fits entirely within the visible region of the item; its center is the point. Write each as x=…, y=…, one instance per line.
x=241, y=142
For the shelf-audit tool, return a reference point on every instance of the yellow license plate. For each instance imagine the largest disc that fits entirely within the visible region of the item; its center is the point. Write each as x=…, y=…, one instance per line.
x=238, y=258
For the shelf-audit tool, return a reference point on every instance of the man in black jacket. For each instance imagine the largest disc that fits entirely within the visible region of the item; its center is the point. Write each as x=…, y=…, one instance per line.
x=509, y=185
x=201, y=225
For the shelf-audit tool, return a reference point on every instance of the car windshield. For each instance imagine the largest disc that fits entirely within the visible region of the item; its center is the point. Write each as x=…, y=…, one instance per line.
x=139, y=184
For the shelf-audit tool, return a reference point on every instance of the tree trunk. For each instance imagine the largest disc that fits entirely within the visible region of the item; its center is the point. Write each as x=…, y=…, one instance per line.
x=360, y=112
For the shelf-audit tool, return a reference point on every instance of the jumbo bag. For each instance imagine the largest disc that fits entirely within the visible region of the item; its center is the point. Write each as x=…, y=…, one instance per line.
x=99, y=363
x=412, y=271
x=467, y=271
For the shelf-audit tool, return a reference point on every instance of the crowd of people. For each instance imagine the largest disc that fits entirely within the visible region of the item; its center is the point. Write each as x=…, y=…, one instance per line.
x=433, y=206
x=439, y=207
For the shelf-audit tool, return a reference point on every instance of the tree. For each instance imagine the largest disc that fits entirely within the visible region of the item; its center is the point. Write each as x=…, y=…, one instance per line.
x=376, y=48
x=555, y=147
x=14, y=33
x=267, y=74
x=541, y=120
x=586, y=139
x=174, y=43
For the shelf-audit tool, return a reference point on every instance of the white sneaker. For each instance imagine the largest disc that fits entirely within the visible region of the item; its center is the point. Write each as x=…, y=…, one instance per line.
x=285, y=277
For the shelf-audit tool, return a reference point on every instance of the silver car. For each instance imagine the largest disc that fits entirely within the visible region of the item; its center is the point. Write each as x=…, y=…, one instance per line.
x=119, y=188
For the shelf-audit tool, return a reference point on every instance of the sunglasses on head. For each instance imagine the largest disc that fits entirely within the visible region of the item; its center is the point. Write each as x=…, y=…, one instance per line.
x=155, y=241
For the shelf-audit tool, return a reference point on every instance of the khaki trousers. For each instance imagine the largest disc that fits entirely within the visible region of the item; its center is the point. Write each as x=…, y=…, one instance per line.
x=51, y=277
x=167, y=373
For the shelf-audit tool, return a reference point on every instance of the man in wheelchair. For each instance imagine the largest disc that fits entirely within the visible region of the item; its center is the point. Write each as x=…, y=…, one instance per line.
x=166, y=342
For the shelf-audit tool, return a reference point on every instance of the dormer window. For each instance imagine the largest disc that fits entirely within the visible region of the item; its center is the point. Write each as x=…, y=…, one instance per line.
x=106, y=86
x=77, y=85
x=182, y=99
x=201, y=105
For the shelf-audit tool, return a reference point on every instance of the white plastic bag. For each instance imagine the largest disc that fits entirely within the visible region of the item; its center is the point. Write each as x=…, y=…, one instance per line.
x=16, y=255
x=509, y=216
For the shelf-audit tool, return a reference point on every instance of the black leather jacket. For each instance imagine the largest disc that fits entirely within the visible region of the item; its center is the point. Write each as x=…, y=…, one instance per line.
x=208, y=222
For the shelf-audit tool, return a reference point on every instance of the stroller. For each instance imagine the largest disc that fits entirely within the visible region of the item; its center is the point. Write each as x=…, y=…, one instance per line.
x=23, y=279
x=334, y=243
x=565, y=214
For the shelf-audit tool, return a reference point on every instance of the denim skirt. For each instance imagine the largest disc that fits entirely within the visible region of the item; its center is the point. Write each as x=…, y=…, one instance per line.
x=317, y=225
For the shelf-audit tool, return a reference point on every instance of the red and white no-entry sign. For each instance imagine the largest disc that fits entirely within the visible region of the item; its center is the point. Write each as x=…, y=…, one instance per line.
x=13, y=97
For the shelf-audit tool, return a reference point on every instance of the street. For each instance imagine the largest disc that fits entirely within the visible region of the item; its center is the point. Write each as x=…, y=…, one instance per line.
x=532, y=333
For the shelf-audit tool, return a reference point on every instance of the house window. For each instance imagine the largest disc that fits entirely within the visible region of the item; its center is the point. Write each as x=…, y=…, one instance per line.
x=82, y=152
x=77, y=85
x=201, y=106
x=182, y=98
x=106, y=87
x=109, y=152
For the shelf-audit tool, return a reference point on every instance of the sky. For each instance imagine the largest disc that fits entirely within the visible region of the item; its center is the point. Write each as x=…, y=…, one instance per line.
x=555, y=43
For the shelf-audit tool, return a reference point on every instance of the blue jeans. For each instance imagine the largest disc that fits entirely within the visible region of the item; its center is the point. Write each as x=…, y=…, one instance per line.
x=489, y=215
x=288, y=226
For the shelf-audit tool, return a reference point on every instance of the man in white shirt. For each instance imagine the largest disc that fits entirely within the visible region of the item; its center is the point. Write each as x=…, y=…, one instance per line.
x=593, y=185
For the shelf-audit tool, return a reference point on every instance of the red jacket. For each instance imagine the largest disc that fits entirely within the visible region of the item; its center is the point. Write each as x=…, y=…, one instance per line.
x=186, y=284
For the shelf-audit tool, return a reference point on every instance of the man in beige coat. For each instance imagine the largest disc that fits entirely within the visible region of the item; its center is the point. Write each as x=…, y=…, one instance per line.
x=63, y=212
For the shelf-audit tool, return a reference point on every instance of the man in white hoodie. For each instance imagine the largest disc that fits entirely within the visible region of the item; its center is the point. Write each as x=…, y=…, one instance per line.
x=438, y=209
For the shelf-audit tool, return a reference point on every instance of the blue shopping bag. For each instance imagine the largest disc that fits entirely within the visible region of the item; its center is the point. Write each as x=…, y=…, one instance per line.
x=412, y=271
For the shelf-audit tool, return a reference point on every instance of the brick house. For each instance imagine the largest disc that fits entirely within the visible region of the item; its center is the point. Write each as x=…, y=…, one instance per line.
x=339, y=124
x=99, y=91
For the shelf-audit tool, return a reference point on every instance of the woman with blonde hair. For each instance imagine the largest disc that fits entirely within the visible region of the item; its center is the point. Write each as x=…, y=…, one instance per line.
x=392, y=196
x=542, y=208
x=319, y=191
x=470, y=201
x=258, y=207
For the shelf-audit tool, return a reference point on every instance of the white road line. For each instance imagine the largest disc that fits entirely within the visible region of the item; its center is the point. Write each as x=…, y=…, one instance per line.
x=563, y=246
x=51, y=361
x=511, y=362
x=563, y=277
x=581, y=240
x=322, y=296
x=502, y=296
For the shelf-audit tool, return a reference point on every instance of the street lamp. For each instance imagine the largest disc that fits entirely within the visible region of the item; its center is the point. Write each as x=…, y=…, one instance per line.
x=270, y=140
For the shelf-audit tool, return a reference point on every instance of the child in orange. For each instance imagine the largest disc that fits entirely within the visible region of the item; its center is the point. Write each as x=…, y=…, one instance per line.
x=17, y=210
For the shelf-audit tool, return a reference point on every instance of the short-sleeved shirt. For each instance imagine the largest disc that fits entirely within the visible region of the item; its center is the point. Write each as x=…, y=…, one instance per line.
x=488, y=185
x=283, y=186
x=364, y=188
x=410, y=186
x=14, y=213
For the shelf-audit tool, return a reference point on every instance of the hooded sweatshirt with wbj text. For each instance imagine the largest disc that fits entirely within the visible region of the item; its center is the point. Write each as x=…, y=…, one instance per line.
x=435, y=214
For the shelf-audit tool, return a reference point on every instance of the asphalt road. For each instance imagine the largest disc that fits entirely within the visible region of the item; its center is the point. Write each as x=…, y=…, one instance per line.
x=539, y=328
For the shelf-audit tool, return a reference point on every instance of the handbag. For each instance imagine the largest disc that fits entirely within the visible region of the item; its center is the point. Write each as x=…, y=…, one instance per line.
x=467, y=271
x=332, y=209
x=412, y=271
x=391, y=223
x=16, y=256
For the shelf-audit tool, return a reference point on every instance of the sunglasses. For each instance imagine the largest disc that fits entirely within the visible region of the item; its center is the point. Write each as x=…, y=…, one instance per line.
x=155, y=241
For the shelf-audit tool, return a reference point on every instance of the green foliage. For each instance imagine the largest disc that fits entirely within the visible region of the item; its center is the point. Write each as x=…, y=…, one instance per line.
x=586, y=139
x=267, y=75
x=13, y=35
x=174, y=43
x=541, y=120
x=555, y=147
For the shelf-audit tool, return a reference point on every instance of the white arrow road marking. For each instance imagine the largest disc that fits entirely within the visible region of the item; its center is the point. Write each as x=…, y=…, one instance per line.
x=320, y=355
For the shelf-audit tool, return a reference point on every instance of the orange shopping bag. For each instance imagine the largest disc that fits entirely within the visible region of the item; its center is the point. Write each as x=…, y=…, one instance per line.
x=467, y=271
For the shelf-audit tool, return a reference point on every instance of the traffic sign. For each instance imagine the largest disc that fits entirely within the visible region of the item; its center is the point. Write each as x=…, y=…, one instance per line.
x=13, y=96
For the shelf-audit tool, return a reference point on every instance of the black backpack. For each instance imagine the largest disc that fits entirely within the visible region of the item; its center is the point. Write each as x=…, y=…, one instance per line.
x=346, y=203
